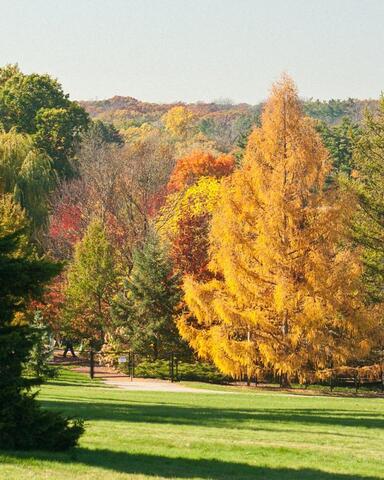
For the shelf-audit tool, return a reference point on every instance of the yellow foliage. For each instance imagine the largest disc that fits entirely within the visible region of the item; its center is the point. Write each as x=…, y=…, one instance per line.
x=13, y=218
x=198, y=199
x=135, y=134
x=20, y=319
x=178, y=121
x=287, y=292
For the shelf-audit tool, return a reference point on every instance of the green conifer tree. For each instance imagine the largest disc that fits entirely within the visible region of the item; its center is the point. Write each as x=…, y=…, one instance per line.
x=368, y=228
x=340, y=140
x=23, y=425
x=38, y=365
x=149, y=301
x=368, y=183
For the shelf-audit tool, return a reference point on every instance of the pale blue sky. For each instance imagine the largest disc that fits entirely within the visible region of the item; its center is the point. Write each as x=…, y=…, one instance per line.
x=168, y=50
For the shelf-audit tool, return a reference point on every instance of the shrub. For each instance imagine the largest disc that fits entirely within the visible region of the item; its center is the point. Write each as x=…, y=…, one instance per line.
x=37, y=429
x=196, y=371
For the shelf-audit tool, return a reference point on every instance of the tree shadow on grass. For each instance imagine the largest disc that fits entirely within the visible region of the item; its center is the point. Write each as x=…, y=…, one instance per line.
x=72, y=383
x=217, y=417
x=181, y=468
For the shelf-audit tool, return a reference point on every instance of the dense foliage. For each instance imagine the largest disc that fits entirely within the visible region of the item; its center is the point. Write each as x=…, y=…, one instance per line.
x=27, y=174
x=368, y=183
x=210, y=179
x=91, y=279
x=340, y=140
x=36, y=105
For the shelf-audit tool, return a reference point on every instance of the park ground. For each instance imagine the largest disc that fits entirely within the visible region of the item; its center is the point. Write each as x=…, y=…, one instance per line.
x=241, y=435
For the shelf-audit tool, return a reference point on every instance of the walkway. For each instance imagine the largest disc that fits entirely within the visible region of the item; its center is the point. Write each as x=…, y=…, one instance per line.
x=110, y=377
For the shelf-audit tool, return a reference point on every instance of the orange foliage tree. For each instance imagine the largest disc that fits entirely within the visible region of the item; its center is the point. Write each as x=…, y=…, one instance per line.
x=286, y=291
x=199, y=164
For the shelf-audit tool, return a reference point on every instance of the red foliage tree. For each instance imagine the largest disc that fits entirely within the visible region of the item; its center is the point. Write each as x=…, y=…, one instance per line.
x=51, y=305
x=189, y=250
x=66, y=224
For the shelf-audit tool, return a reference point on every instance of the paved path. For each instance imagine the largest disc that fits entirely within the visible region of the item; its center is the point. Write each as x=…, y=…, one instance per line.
x=140, y=384
x=110, y=377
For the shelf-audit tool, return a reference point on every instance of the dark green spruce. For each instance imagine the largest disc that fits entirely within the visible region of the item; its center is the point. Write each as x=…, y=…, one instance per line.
x=23, y=424
x=148, y=304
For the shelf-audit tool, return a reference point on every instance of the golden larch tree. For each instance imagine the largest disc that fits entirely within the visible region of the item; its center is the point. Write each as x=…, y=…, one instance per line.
x=287, y=292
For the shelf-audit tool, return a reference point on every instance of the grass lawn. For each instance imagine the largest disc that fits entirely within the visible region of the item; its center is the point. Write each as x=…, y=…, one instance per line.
x=236, y=436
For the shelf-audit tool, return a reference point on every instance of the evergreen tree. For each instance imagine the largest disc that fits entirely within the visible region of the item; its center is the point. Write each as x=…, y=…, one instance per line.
x=22, y=423
x=42, y=351
x=91, y=283
x=149, y=302
x=100, y=133
x=368, y=184
x=340, y=140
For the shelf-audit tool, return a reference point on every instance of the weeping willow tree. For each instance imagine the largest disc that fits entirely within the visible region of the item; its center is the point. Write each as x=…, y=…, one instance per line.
x=27, y=174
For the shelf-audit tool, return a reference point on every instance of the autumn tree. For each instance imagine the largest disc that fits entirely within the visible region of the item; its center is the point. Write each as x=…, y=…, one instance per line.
x=178, y=121
x=133, y=134
x=199, y=164
x=184, y=222
x=90, y=286
x=123, y=186
x=51, y=306
x=189, y=248
x=286, y=292
x=67, y=224
x=230, y=127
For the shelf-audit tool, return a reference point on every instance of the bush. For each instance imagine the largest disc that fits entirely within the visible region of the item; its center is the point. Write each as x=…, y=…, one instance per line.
x=196, y=371
x=37, y=429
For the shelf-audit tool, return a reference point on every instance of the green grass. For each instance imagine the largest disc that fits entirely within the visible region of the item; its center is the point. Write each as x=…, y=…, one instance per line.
x=235, y=436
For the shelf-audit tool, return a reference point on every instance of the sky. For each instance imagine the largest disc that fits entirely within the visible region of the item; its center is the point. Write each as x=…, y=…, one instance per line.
x=198, y=50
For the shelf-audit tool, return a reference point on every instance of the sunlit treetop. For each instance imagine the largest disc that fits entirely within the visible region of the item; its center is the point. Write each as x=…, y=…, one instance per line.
x=178, y=121
x=199, y=164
